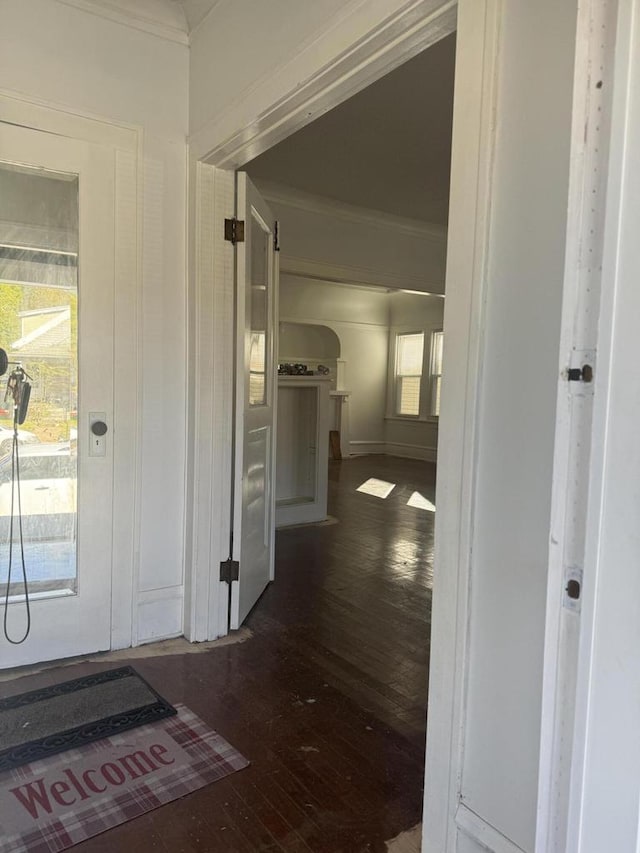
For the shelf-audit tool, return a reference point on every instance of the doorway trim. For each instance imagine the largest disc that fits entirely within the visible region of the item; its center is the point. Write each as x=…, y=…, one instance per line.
x=387, y=45
x=381, y=39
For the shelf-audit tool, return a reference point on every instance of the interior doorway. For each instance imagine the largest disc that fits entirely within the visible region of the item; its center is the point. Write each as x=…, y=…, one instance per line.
x=378, y=526
x=341, y=188
x=213, y=287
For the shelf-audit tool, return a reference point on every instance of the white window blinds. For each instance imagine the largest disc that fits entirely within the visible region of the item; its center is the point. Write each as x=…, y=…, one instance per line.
x=409, y=355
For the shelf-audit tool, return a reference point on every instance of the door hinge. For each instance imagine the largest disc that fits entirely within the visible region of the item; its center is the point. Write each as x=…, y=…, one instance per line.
x=580, y=374
x=229, y=571
x=234, y=230
x=276, y=236
x=572, y=588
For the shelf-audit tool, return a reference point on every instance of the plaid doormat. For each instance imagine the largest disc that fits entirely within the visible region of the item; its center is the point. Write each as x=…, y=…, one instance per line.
x=52, y=804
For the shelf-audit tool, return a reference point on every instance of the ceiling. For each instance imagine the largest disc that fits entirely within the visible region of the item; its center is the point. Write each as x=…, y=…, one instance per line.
x=195, y=10
x=387, y=148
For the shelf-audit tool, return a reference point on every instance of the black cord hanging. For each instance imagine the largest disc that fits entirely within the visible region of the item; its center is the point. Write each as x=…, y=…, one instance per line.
x=19, y=389
x=15, y=488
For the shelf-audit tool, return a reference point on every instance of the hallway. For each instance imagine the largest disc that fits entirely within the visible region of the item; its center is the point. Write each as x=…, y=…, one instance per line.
x=327, y=696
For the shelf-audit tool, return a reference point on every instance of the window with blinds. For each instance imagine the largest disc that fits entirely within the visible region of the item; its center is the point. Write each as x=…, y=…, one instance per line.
x=409, y=357
x=437, y=340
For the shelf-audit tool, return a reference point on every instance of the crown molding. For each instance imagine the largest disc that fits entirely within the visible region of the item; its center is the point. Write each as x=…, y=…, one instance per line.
x=323, y=271
x=299, y=200
x=194, y=28
x=169, y=23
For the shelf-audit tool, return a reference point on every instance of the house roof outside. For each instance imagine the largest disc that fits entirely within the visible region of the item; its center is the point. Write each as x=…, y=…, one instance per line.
x=50, y=339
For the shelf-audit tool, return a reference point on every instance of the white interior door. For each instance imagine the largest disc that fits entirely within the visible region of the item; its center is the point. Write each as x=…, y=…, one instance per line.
x=56, y=311
x=256, y=313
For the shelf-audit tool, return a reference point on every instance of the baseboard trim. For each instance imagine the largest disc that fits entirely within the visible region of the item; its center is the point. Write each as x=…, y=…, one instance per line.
x=411, y=451
x=386, y=448
x=362, y=448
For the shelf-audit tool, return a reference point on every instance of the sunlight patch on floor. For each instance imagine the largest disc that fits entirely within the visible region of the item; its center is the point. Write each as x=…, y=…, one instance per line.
x=420, y=502
x=377, y=488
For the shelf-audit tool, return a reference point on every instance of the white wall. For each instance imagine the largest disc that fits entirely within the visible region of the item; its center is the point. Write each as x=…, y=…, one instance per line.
x=318, y=343
x=253, y=39
x=60, y=55
x=412, y=309
x=517, y=418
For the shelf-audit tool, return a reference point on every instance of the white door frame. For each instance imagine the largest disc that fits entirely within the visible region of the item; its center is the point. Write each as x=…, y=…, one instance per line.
x=575, y=509
x=389, y=44
x=604, y=798
x=125, y=429
x=378, y=47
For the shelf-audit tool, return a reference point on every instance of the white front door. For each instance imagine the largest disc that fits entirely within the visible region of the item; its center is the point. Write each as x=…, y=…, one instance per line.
x=256, y=388
x=57, y=249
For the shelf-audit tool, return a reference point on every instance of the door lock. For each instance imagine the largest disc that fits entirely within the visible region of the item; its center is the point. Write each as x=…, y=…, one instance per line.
x=97, y=434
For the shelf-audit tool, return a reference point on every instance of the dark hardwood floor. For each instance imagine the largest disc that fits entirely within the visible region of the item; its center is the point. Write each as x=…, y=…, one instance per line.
x=328, y=697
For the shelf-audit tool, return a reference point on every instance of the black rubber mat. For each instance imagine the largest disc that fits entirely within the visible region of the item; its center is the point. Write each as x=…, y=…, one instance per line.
x=63, y=716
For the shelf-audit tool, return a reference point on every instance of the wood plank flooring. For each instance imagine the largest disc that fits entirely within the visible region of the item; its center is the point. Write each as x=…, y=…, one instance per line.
x=328, y=697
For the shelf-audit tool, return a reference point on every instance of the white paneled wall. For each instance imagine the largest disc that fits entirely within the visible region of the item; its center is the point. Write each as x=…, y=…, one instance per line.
x=64, y=56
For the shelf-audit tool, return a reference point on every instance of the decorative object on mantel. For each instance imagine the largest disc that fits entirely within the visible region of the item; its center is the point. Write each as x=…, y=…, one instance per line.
x=323, y=370
x=288, y=369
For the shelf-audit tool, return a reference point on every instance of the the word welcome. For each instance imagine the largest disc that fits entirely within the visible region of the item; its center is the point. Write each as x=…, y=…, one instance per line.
x=38, y=797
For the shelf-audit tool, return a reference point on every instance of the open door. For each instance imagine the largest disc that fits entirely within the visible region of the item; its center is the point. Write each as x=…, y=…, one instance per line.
x=256, y=389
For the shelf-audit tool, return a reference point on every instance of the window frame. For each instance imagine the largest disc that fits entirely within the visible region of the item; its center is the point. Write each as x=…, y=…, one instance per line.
x=397, y=377
x=434, y=375
x=427, y=379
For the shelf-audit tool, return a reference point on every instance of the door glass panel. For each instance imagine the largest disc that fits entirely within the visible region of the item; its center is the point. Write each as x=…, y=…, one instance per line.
x=38, y=329
x=258, y=314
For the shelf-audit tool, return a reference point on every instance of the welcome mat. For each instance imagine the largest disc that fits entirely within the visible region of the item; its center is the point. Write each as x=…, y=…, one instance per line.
x=44, y=722
x=52, y=804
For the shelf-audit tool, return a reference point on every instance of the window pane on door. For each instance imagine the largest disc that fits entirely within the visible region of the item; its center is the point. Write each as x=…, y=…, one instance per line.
x=258, y=314
x=38, y=328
